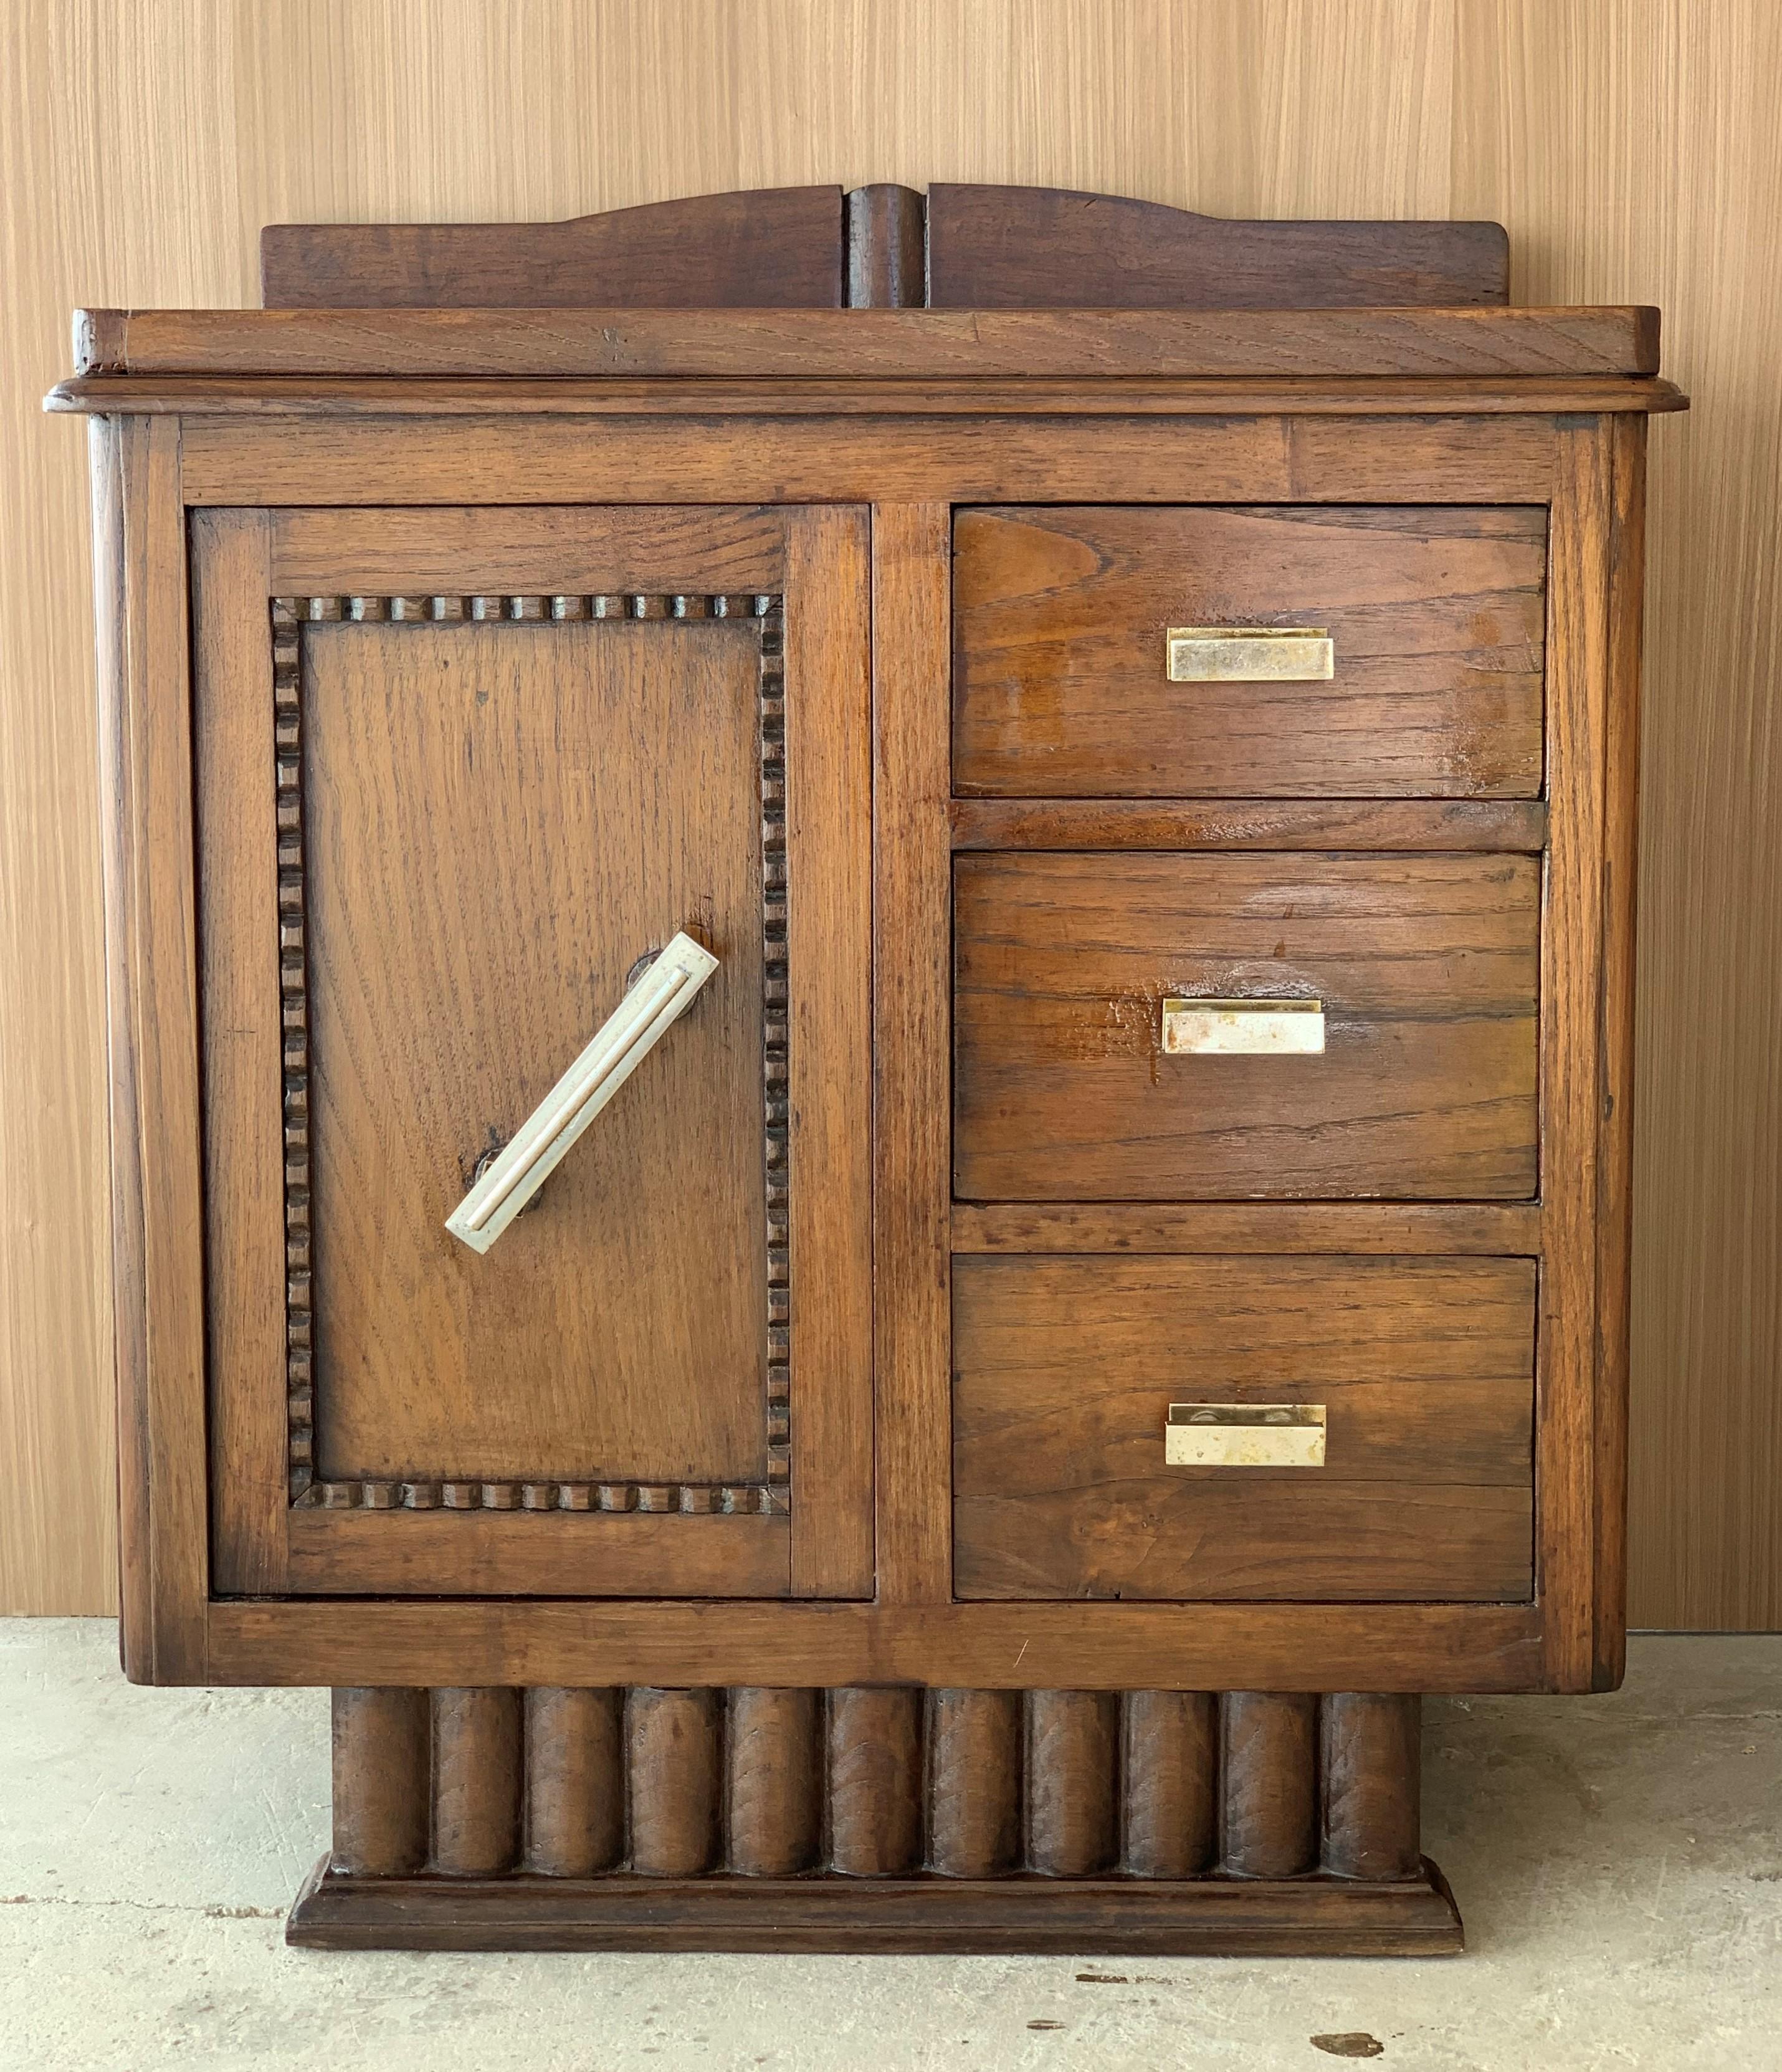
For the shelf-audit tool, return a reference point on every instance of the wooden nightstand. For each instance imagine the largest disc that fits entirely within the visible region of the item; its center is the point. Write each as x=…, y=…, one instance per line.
x=1005, y=936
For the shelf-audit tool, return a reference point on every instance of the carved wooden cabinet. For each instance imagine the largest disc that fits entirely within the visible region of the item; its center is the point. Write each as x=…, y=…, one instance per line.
x=963, y=1414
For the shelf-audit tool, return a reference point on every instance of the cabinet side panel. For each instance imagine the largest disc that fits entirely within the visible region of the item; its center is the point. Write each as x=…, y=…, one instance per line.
x=1571, y=996
x=1615, y=1138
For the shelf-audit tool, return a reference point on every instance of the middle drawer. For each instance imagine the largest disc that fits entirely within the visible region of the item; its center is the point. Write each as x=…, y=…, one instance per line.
x=1424, y=968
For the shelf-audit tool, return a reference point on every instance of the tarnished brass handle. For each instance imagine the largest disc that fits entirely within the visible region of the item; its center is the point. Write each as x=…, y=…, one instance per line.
x=660, y=997
x=1249, y=654
x=1243, y=1028
x=1245, y=1434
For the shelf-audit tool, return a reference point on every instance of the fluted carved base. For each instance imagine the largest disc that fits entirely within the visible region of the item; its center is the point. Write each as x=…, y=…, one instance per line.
x=876, y=1819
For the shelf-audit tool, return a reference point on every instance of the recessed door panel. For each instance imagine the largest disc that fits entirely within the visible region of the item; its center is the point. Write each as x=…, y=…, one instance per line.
x=443, y=834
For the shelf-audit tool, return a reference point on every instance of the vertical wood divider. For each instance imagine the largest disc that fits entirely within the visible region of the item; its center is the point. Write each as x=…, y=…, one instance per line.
x=1171, y=1765
x=1269, y=1761
x=145, y=739
x=675, y=1781
x=1371, y=1757
x=1073, y=1782
x=975, y=1750
x=1571, y=978
x=1615, y=1138
x=773, y=1805
x=477, y=1780
x=829, y=1055
x=575, y=1781
x=381, y=1806
x=913, y=932
x=875, y=1781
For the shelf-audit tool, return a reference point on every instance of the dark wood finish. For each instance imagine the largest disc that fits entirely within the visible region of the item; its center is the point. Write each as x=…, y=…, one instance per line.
x=346, y=399
x=382, y=1742
x=1268, y=1811
x=1503, y=826
x=828, y=776
x=1073, y=1782
x=1370, y=1764
x=675, y=1780
x=1614, y=1135
x=994, y=247
x=597, y=340
x=1088, y=1767
x=774, y=247
x=874, y=1760
x=1574, y=929
x=575, y=1781
x=878, y=458
x=991, y=248
x=773, y=1788
x=886, y=248
x=1427, y=966
x=975, y=1765
x=1169, y=1767
x=1106, y=1645
x=1491, y=1227
x=152, y=1046
x=912, y=1009
x=478, y=1781
x=1059, y=685
x=1425, y=1368
x=1118, y=1917
x=301, y=515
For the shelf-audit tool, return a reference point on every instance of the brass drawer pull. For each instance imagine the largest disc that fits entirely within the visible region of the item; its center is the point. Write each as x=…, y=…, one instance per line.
x=1245, y=1434
x=1249, y=654
x=1243, y=1028
x=660, y=997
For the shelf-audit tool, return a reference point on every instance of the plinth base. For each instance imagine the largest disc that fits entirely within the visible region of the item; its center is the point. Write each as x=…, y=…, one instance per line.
x=1214, y=1917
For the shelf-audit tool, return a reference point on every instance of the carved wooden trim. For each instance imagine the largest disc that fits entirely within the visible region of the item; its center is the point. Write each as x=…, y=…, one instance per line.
x=871, y=1818
x=772, y=1495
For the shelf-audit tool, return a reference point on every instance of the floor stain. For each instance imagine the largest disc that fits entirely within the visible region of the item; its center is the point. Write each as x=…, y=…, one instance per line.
x=1352, y=2043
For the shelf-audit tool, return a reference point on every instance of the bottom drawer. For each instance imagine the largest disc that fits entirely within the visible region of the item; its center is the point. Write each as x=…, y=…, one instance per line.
x=1065, y=1370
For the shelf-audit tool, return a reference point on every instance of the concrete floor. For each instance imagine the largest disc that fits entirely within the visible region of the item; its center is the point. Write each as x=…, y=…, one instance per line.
x=1619, y=1861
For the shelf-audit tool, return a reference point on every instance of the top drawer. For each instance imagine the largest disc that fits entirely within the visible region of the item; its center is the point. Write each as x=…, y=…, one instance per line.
x=1436, y=615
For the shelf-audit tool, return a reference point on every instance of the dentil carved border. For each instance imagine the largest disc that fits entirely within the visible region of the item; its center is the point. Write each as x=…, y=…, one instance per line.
x=289, y=616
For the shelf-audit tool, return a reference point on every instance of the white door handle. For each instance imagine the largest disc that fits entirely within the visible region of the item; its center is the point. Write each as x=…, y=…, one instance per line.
x=664, y=993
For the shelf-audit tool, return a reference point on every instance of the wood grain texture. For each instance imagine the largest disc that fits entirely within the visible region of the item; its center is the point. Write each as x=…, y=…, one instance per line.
x=1369, y=1768
x=478, y=1780
x=675, y=1779
x=382, y=1743
x=1425, y=966
x=1114, y=1916
x=899, y=344
x=1424, y=1368
x=913, y=1009
x=758, y=250
x=1630, y=148
x=1170, y=1766
x=985, y=243
x=1268, y=1811
x=1435, y=616
x=1102, y=1645
x=773, y=1784
x=974, y=1766
x=575, y=1781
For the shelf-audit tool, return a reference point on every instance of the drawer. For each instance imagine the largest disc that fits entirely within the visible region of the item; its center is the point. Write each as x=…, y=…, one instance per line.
x=1065, y=1370
x=1436, y=615
x=1425, y=969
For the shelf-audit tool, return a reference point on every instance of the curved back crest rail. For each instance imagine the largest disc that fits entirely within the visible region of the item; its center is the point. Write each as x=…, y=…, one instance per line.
x=870, y=990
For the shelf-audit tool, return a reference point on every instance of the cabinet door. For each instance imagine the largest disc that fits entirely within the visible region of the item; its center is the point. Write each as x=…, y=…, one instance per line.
x=459, y=774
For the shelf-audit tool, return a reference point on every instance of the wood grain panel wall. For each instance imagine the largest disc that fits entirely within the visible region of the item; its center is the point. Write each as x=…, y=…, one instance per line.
x=1632, y=149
